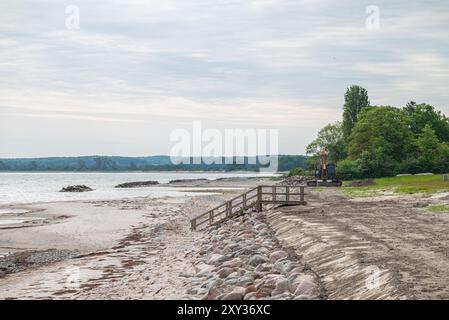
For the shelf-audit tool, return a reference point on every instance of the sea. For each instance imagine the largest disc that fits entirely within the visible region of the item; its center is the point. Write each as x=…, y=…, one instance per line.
x=32, y=187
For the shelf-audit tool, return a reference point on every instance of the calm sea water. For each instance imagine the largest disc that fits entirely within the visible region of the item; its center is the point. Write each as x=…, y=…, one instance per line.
x=30, y=187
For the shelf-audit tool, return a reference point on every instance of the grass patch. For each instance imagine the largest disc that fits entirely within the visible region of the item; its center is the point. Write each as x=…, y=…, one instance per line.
x=403, y=185
x=442, y=207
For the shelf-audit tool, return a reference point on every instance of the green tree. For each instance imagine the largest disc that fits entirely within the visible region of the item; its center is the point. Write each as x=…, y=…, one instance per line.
x=433, y=155
x=420, y=115
x=331, y=138
x=380, y=140
x=348, y=169
x=356, y=99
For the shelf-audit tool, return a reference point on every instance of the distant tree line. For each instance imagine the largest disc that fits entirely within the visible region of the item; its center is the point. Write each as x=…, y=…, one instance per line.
x=377, y=141
x=151, y=163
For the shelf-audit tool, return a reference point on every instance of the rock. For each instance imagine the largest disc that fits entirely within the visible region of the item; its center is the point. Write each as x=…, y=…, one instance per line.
x=212, y=294
x=250, y=296
x=214, y=258
x=264, y=267
x=284, y=266
x=282, y=296
x=136, y=184
x=295, y=270
x=237, y=294
x=281, y=287
x=225, y=272
x=245, y=252
x=264, y=292
x=192, y=291
x=304, y=287
x=244, y=281
x=250, y=288
x=257, y=260
x=203, y=269
x=233, y=263
x=277, y=255
x=303, y=297
x=76, y=188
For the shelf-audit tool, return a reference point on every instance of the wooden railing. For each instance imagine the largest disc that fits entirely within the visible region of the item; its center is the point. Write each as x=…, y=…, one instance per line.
x=252, y=199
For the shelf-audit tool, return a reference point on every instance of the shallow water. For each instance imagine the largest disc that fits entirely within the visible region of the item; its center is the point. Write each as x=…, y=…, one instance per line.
x=30, y=187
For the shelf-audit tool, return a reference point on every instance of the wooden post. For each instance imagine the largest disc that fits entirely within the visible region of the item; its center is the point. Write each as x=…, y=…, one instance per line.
x=211, y=217
x=259, y=199
x=193, y=224
x=273, y=191
x=229, y=206
x=301, y=194
x=287, y=193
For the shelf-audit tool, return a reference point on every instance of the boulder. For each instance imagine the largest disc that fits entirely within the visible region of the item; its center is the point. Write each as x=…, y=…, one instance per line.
x=237, y=294
x=257, y=260
x=212, y=294
x=264, y=292
x=250, y=296
x=225, y=272
x=305, y=287
x=214, y=258
x=250, y=288
x=277, y=255
x=281, y=287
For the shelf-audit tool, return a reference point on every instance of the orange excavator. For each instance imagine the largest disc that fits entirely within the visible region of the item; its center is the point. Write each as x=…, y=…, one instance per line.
x=325, y=174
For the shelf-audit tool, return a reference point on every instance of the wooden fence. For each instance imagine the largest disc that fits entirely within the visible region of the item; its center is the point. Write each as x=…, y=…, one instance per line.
x=250, y=200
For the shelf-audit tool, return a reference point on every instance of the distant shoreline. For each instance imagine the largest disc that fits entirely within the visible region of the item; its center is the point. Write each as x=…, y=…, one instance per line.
x=144, y=171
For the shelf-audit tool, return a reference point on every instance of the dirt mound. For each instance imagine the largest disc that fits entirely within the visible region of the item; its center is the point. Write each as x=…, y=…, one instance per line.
x=362, y=183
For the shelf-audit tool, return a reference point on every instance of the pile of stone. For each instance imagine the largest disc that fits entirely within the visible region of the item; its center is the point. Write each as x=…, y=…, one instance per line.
x=137, y=184
x=186, y=180
x=241, y=260
x=20, y=261
x=296, y=181
x=77, y=188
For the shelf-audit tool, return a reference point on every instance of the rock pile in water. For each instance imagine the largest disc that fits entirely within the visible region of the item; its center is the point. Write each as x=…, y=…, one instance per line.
x=241, y=260
x=77, y=188
x=136, y=184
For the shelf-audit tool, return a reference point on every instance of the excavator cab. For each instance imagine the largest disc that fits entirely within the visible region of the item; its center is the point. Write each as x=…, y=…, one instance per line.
x=325, y=174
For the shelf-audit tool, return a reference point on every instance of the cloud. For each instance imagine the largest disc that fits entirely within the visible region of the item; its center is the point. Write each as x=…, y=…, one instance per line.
x=281, y=63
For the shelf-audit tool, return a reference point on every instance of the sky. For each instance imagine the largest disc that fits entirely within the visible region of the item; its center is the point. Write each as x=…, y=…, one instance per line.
x=136, y=70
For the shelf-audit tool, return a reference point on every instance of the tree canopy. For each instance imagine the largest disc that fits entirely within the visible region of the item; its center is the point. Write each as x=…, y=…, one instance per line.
x=376, y=141
x=356, y=98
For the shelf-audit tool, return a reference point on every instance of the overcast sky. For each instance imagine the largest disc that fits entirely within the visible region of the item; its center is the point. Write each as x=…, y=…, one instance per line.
x=138, y=69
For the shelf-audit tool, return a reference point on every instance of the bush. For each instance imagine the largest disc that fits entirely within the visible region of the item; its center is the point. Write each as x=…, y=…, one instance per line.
x=348, y=169
x=296, y=172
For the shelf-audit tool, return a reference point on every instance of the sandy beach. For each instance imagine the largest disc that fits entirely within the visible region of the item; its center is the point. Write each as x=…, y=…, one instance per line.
x=116, y=249
x=335, y=247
